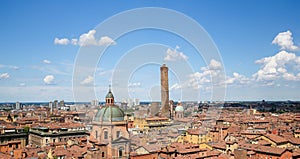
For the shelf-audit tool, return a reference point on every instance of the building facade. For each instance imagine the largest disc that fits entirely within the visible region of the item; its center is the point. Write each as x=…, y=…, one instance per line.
x=45, y=134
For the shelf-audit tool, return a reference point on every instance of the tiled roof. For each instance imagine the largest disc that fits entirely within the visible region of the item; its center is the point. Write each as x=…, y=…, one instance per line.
x=275, y=138
x=263, y=149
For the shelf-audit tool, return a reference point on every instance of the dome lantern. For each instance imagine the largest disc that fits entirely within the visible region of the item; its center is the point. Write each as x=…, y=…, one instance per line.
x=110, y=112
x=109, y=99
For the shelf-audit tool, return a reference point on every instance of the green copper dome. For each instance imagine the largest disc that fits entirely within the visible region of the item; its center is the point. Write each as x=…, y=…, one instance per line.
x=179, y=108
x=109, y=113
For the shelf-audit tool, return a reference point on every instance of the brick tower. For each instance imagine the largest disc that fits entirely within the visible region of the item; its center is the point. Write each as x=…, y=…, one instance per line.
x=164, y=80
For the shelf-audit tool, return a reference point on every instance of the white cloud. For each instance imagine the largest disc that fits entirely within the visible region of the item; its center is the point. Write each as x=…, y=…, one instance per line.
x=212, y=71
x=105, y=40
x=87, y=39
x=214, y=65
x=205, y=75
x=49, y=79
x=4, y=76
x=173, y=55
x=285, y=41
x=290, y=76
x=88, y=80
x=74, y=41
x=237, y=79
x=63, y=41
x=276, y=67
x=136, y=84
x=46, y=61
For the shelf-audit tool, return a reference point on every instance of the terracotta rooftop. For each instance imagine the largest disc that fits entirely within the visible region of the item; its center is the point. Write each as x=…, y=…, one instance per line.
x=263, y=149
x=275, y=138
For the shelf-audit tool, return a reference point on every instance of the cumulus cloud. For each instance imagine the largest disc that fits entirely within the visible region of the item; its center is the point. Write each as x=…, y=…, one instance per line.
x=46, y=61
x=285, y=41
x=237, y=79
x=87, y=39
x=88, y=80
x=49, y=79
x=214, y=70
x=105, y=40
x=63, y=41
x=4, y=76
x=214, y=65
x=174, y=55
x=275, y=67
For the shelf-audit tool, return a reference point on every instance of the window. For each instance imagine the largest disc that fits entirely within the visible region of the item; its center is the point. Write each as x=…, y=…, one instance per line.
x=53, y=140
x=46, y=140
x=120, y=152
x=96, y=134
x=105, y=135
x=118, y=134
x=103, y=154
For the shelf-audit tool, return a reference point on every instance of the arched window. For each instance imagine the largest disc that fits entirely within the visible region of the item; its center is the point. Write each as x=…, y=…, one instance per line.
x=103, y=154
x=105, y=134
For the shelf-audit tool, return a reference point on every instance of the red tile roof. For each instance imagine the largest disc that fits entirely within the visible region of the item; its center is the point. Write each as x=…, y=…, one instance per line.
x=275, y=138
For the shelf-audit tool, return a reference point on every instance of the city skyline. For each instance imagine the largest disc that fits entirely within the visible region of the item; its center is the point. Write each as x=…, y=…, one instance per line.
x=259, y=44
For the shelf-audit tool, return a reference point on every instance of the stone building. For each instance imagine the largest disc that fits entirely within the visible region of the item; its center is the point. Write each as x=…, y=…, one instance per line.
x=45, y=134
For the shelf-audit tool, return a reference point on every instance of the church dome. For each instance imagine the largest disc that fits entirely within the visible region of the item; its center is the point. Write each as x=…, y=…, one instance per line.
x=109, y=113
x=179, y=108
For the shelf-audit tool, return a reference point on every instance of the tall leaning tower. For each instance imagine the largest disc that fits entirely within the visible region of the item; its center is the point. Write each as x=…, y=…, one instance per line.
x=164, y=80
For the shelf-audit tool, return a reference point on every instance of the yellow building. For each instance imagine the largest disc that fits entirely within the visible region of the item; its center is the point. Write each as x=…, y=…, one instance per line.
x=205, y=146
x=140, y=123
x=143, y=125
x=195, y=136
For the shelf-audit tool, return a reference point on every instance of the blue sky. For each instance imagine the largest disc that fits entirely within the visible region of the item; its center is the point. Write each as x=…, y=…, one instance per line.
x=258, y=42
